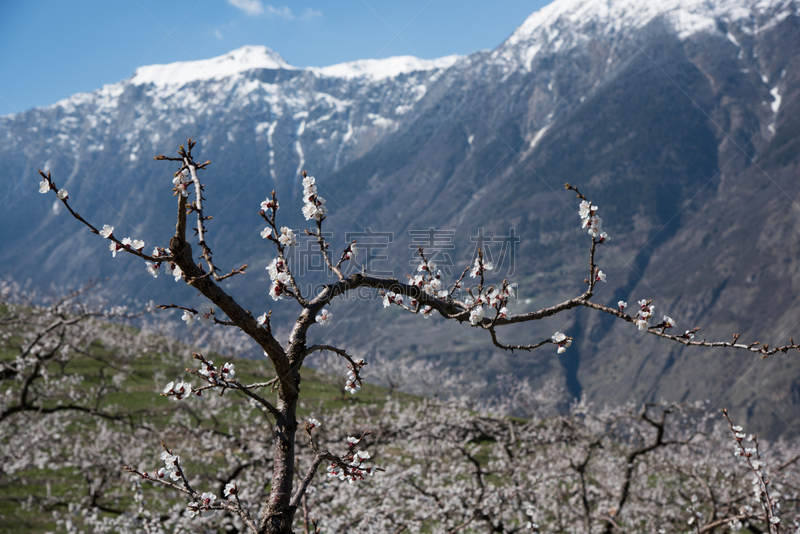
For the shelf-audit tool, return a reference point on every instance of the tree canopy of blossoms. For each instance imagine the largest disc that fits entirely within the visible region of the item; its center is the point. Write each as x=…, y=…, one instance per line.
x=482, y=305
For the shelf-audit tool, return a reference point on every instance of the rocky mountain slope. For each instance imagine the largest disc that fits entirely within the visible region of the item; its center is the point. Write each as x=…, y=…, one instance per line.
x=679, y=118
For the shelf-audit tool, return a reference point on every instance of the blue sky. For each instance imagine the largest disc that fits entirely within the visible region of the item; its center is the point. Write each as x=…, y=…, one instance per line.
x=50, y=49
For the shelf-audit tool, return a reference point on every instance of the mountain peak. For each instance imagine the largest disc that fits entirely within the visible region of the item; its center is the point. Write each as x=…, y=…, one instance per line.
x=236, y=61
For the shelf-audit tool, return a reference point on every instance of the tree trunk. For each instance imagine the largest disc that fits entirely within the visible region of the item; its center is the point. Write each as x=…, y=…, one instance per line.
x=277, y=516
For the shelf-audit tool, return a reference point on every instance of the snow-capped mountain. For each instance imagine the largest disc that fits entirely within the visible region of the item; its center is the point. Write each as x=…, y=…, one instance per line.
x=678, y=117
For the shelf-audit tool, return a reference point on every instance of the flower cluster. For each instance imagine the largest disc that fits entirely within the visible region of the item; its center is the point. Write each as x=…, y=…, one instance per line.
x=181, y=182
x=429, y=279
x=214, y=375
x=204, y=317
x=287, y=237
x=353, y=377
x=643, y=316
x=203, y=507
x=170, y=468
x=494, y=297
x=324, y=317
x=269, y=204
x=480, y=267
x=314, y=206
x=131, y=244
x=591, y=221
x=279, y=274
x=563, y=341
x=179, y=390
x=390, y=297
x=352, y=468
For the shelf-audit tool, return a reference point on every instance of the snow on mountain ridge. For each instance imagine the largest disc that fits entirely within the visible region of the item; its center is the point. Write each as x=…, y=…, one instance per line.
x=573, y=21
x=234, y=62
x=260, y=57
x=381, y=69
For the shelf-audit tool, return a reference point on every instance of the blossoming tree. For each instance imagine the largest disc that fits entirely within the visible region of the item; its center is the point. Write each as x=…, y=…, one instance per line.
x=482, y=305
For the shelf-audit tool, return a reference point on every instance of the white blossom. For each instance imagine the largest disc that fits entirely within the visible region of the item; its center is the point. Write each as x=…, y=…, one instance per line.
x=228, y=371
x=269, y=204
x=44, y=186
x=287, y=237
x=62, y=194
x=107, y=231
x=312, y=423
x=266, y=232
x=324, y=317
x=152, y=268
x=188, y=317
x=476, y=315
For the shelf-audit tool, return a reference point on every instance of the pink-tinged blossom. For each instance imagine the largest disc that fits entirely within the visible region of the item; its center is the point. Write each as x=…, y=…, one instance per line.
x=266, y=232
x=668, y=322
x=230, y=490
x=152, y=268
x=107, y=231
x=426, y=311
x=352, y=441
x=601, y=276
x=388, y=298
x=313, y=423
x=503, y=312
x=622, y=305
x=324, y=317
x=113, y=247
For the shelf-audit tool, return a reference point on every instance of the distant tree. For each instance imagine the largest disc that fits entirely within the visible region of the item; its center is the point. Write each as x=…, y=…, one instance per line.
x=481, y=304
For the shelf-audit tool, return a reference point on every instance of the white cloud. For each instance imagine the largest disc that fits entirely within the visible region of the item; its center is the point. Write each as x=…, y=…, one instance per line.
x=255, y=8
x=252, y=8
x=311, y=13
x=280, y=12
x=218, y=34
